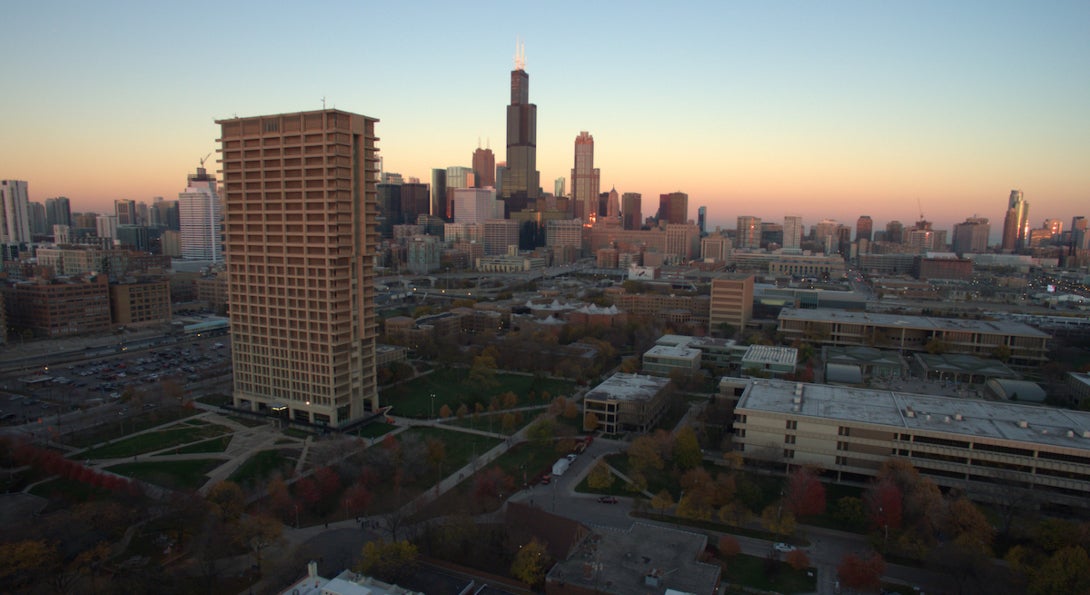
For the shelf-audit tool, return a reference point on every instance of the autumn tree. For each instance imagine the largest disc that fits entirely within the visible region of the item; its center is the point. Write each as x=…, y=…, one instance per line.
x=797, y=559
x=600, y=477
x=257, y=533
x=483, y=372
x=662, y=502
x=775, y=519
x=530, y=563
x=644, y=454
x=507, y=422
x=388, y=561
x=571, y=410
x=862, y=572
x=591, y=422
x=445, y=412
x=729, y=546
x=805, y=494
x=227, y=501
x=462, y=411
x=686, y=449
x=541, y=431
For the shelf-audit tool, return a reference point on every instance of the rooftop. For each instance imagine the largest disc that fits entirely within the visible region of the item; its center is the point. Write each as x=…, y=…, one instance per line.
x=628, y=387
x=767, y=354
x=921, y=322
x=616, y=561
x=672, y=352
x=970, y=417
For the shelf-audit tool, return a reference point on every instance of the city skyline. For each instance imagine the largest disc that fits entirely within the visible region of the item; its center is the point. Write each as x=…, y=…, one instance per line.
x=829, y=111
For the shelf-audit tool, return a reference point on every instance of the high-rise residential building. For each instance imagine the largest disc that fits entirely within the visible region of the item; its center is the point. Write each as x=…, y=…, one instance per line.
x=702, y=219
x=457, y=177
x=142, y=214
x=895, y=232
x=389, y=208
x=1055, y=227
x=731, y=302
x=1080, y=238
x=1016, y=222
x=439, y=193
x=971, y=237
x=475, y=205
x=14, y=212
x=300, y=260
x=125, y=211
x=749, y=232
x=631, y=216
x=58, y=211
x=521, y=180
x=499, y=234
x=201, y=218
x=558, y=187
x=682, y=241
x=585, y=178
x=792, y=234
x=39, y=226
x=674, y=208
x=106, y=226
x=390, y=177
x=484, y=168
x=564, y=232
x=864, y=228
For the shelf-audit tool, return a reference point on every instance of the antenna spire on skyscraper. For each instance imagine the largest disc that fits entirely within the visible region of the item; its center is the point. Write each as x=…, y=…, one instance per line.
x=520, y=55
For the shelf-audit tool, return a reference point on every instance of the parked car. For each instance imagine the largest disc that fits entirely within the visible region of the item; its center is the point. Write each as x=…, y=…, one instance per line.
x=782, y=547
x=607, y=499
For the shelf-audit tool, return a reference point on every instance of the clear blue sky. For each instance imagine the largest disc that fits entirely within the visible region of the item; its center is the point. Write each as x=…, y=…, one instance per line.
x=824, y=109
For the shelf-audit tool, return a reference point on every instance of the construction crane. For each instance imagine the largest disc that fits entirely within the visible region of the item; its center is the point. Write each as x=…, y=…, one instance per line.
x=920, y=205
x=205, y=158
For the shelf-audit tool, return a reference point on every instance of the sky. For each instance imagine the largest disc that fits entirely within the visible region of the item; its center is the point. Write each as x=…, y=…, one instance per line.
x=821, y=109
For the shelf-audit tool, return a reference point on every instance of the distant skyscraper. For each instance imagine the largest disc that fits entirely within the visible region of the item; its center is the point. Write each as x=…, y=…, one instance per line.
x=792, y=233
x=484, y=168
x=199, y=211
x=749, y=232
x=585, y=178
x=475, y=205
x=558, y=187
x=1016, y=222
x=673, y=208
x=522, y=179
x=613, y=205
x=14, y=212
x=414, y=201
x=58, y=211
x=439, y=192
x=302, y=311
x=106, y=226
x=864, y=228
x=1055, y=227
x=457, y=177
x=632, y=217
x=895, y=232
x=1080, y=238
x=702, y=220
x=36, y=218
x=125, y=211
x=971, y=237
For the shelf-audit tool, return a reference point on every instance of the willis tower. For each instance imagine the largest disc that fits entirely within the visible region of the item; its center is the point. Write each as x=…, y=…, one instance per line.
x=521, y=179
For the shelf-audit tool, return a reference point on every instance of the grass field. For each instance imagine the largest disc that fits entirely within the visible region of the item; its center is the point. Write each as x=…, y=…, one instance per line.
x=460, y=447
x=214, y=445
x=759, y=573
x=374, y=430
x=451, y=387
x=136, y=423
x=175, y=475
x=153, y=441
x=493, y=422
x=262, y=465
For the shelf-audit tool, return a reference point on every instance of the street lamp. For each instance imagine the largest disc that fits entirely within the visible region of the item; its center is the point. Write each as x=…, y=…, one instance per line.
x=433, y=405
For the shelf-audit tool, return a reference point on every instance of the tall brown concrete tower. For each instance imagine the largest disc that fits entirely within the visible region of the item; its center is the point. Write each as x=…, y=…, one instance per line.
x=521, y=180
x=300, y=209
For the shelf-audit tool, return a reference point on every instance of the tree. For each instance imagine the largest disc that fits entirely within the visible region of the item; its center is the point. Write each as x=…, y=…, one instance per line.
x=388, y=561
x=571, y=410
x=862, y=571
x=643, y=454
x=600, y=477
x=687, y=453
x=797, y=559
x=805, y=493
x=227, y=501
x=507, y=422
x=729, y=546
x=1065, y=571
x=445, y=412
x=849, y=510
x=777, y=520
x=662, y=502
x=630, y=365
x=884, y=503
x=483, y=372
x=258, y=532
x=591, y=422
x=462, y=411
x=541, y=432
x=21, y=562
x=970, y=528
x=530, y=563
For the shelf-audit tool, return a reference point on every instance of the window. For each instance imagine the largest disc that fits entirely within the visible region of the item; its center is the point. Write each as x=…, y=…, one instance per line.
x=788, y=453
x=844, y=431
x=792, y=424
x=789, y=439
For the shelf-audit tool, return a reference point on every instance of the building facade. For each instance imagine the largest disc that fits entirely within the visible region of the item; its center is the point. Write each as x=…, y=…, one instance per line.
x=521, y=178
x=14, y=212
x=1016, y=222
x=625, y=403
x=585, y=178
x=731, y=302
x=201, y=218
x=300, y=201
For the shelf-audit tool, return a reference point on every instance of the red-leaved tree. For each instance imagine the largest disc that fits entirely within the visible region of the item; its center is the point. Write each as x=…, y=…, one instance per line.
x=805, y=493
x=863, y=572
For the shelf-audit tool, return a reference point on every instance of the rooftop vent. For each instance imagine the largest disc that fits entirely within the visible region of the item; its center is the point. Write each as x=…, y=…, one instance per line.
x=959, y=417
x=909, y=412
x=1023, y=424
x=1086, y=433
x=1071, y=433
x=946, y=419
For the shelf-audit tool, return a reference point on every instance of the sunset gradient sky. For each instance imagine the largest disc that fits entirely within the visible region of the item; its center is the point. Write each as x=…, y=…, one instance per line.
x=822, y=109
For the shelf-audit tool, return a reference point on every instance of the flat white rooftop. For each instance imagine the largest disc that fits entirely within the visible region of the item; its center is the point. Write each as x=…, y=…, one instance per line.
x=768, y=354
x=673, y=352
x=1004, y=327
x=985, y=419
x=628, y=387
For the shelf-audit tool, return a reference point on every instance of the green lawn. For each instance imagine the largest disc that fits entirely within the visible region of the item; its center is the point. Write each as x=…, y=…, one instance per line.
x=175, y=475
x=152, y=441
x=452, y=388
x=493, y=422
x=262, y=465
x=374, y=430
x=218, y=400
x=137, y=423
x=460, y=447
x=69, y=490
x=213, y=445
x=758, y=573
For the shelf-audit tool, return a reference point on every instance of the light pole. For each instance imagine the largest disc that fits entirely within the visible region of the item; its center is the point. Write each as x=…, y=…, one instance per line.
x=433, y=406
